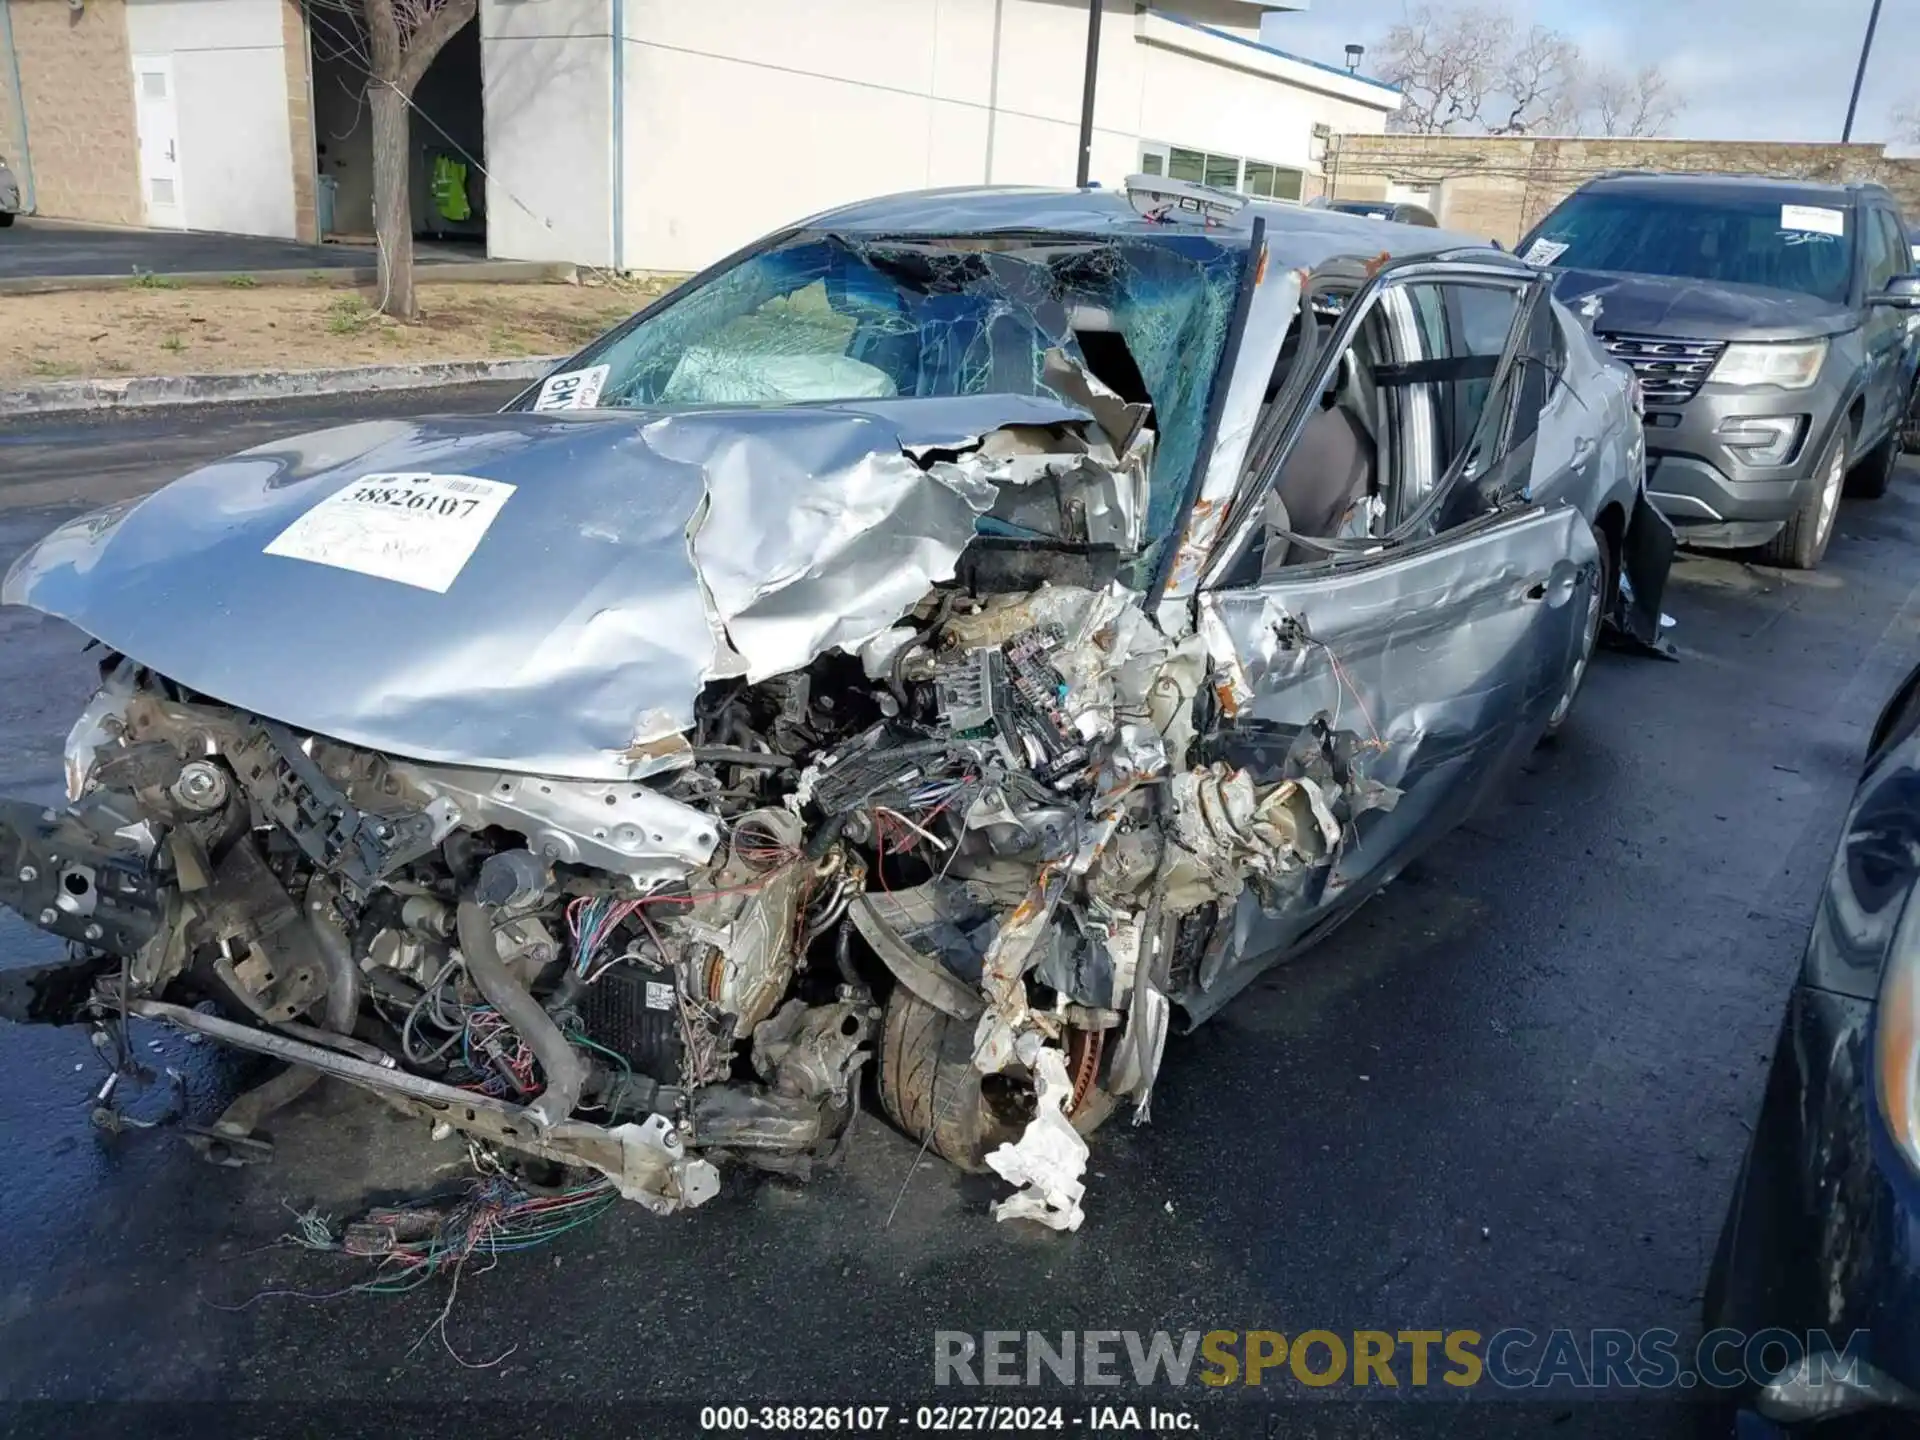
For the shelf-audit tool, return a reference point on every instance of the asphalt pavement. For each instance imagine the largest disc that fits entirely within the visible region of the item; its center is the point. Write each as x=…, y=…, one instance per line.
x=1512, y=1091
x=36, y=248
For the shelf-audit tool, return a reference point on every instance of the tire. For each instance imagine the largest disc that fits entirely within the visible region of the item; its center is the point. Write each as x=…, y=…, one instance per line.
x=6, y=218
x=1606, y=585
x=930, y=1090
x=1803, y=540
x=1871, y=477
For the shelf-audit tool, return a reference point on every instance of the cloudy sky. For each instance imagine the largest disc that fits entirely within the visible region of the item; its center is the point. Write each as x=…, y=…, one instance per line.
x=1749, y=69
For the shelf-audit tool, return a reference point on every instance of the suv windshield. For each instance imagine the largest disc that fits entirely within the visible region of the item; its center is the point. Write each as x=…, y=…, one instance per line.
x=826, y=317
x=1742, y=239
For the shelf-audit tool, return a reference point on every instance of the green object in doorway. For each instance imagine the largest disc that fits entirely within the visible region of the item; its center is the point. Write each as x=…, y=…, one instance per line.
x=450, y=189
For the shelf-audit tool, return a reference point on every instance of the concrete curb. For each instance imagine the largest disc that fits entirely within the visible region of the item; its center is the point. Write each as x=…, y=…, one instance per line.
x=454, y=272
x=56, y=396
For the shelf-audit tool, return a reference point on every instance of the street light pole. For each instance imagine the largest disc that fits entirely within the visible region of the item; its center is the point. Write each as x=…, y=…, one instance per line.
x=1866, y=48
x=1095, y=9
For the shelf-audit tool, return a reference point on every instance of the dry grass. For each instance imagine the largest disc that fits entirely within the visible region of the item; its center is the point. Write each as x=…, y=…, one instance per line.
x=156, y=330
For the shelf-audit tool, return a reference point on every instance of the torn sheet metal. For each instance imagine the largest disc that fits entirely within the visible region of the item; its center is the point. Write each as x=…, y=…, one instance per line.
x=1228, y=830
x=1422, y=679
x=577, y=633
x=1049, y=1158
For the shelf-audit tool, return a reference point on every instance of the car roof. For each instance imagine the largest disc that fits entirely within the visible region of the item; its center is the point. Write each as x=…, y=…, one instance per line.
x=1296, y=235
x=1816, y=192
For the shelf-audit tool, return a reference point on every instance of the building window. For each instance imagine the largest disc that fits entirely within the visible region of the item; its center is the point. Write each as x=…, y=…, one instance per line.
x=1222, y=172
x=1275, y=182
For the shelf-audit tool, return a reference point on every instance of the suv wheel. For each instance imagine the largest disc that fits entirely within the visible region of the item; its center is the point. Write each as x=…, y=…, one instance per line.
x=1874, y=473
x=1803, y=540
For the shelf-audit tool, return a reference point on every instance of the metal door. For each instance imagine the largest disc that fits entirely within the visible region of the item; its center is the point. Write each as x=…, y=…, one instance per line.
x=160, y=190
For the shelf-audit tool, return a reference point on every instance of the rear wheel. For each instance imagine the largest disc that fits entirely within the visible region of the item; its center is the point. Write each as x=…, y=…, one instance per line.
x=1803, y=540
x=929, y=1088
x=1604, y=586
x=6, y=218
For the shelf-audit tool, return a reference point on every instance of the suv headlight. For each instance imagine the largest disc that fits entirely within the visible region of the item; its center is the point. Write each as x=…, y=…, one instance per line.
x=1792, y=366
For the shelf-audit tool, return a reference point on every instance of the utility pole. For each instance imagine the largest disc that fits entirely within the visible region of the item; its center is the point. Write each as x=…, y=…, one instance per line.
x=1866, y=48
x=1095, y=8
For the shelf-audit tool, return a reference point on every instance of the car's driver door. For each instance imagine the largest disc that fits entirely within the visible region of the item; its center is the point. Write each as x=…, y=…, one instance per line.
x=1433, y=654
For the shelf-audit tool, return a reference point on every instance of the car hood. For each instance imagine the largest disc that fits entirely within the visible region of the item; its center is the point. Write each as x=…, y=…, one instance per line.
x=610, y=563
x=1663, y=305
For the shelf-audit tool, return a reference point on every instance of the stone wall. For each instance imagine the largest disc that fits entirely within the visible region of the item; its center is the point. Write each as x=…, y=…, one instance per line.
x=1499, y=185
x=293, y=32
x=76, y=78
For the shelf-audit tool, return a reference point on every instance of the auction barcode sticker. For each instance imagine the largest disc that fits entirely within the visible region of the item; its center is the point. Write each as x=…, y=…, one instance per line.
x=412, y=527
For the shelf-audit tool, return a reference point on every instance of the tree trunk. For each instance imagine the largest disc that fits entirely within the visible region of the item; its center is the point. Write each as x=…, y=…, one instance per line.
x=393, y=198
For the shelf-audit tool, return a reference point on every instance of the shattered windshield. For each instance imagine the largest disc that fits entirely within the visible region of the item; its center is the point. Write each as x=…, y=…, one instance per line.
x=827, y=317
x=1751, y=240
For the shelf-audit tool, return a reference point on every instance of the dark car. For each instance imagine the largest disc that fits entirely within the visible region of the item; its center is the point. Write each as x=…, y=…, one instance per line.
x=1398, y=212
x=1819, y=1239
x=1768, y=323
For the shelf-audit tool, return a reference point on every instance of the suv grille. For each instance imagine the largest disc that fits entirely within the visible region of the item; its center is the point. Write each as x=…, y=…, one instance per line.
x=1670, y=371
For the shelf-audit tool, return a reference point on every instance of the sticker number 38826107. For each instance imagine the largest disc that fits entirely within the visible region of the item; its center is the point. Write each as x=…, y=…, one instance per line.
x=415, y=528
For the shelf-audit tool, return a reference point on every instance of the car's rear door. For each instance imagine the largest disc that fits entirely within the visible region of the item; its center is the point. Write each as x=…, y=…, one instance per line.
x=1434, y=657
x=1886, y=327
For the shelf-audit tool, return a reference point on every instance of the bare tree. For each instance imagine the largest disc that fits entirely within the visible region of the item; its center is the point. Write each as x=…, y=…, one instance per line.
x=1905, y=121
x=395, y=41
x=1639, y=104
x=1470, y=68
x=1446, y=62
x=1539, y=82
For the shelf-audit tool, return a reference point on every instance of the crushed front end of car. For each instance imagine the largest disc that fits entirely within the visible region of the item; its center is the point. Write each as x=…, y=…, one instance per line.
x=753, y=752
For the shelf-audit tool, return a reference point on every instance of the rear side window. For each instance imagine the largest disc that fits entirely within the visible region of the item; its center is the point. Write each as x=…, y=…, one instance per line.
x=1886, y=257
x=1709, y=234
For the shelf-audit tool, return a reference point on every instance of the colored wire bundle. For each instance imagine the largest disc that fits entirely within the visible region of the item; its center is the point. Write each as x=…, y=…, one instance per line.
x=414, y=1243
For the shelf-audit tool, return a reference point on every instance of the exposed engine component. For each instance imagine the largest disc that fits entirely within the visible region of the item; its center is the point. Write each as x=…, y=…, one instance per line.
x=982, y=832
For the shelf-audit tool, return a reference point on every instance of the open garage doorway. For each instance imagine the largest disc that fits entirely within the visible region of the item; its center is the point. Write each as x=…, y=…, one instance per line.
x=447, y=137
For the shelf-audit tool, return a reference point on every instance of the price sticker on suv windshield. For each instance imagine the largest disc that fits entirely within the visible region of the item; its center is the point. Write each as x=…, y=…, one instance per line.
x=414, y=528
x=1813, y=219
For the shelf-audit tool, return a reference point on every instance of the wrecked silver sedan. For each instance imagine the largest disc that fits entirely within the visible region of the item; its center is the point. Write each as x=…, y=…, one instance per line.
x=940, y=648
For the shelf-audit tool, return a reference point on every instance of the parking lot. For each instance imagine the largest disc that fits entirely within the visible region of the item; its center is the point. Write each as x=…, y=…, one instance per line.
x=1512, y=1091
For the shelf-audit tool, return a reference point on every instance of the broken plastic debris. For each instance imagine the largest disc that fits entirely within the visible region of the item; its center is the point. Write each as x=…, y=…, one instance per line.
x=1049, y=1158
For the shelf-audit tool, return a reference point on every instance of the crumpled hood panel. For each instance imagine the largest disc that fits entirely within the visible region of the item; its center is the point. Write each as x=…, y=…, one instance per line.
x=579, y=626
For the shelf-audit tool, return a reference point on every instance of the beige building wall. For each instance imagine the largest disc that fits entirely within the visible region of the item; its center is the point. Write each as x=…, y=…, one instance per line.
x=1499, y=186
x=293, y=36
x=76, y=77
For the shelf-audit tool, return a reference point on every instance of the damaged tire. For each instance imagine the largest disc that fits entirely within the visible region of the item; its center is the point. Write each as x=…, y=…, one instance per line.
x=931, y=1091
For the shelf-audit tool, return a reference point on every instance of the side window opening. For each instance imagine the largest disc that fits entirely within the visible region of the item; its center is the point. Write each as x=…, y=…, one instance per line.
x=1410, y=400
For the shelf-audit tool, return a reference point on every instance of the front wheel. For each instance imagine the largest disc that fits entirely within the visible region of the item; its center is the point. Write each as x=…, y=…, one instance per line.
x=1604, y=586
x=1802, y=541
x=6, y=218
x=930, y=1090
x=1874, y=473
